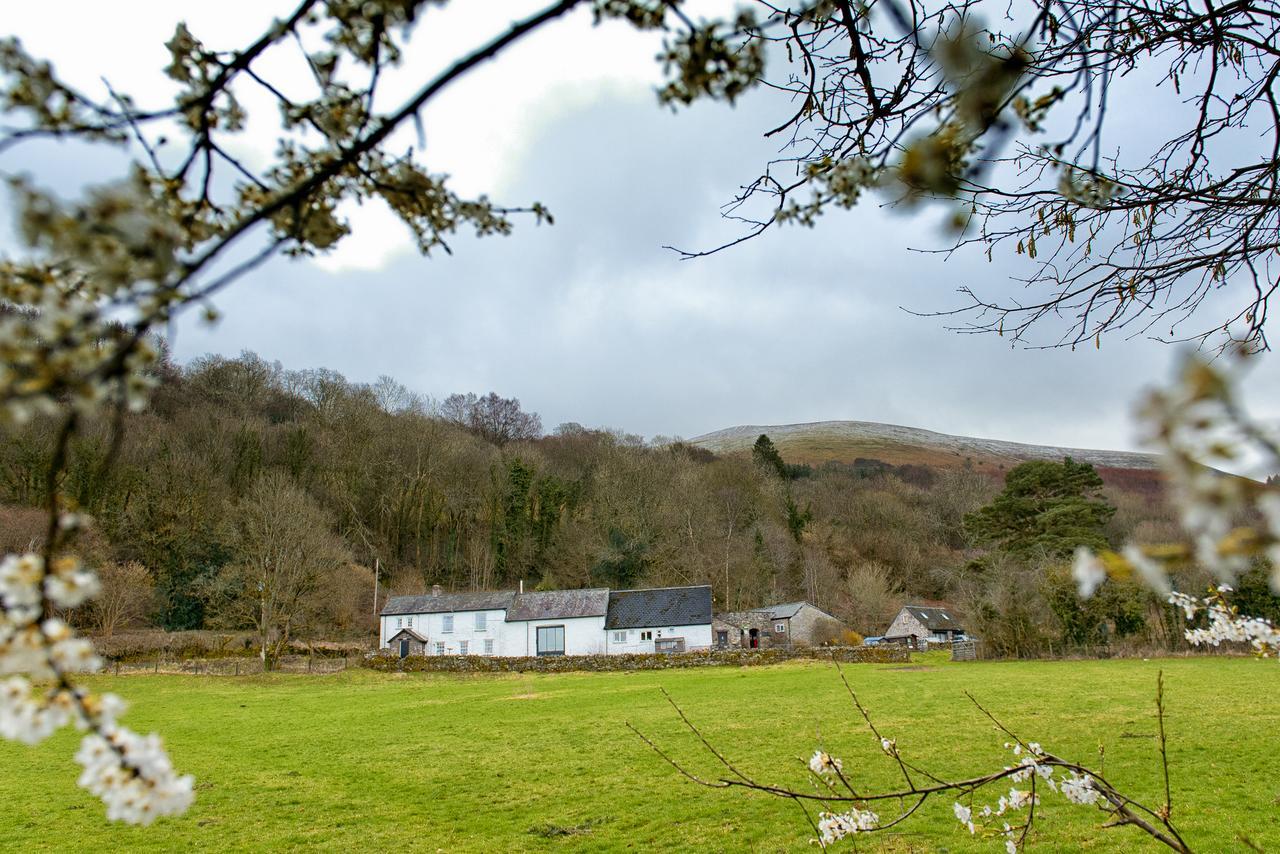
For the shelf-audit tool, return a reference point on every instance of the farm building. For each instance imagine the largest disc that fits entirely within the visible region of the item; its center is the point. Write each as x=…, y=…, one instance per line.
x=788, y=625
x=548, y=622
x=920, y=625
x=667, y=619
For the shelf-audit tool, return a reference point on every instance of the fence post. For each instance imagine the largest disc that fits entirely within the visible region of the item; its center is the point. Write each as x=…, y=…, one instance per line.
x=157, y=662
x=237, y=667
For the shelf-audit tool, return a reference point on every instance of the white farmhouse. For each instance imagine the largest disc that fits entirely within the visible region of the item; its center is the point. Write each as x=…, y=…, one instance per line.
x=666, y=619
x=445, y=624
x=552, y=622
x=556, y=622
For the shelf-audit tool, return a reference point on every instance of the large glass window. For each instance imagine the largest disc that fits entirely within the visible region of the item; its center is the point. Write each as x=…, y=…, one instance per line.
x=550, y=640
x=482, y=621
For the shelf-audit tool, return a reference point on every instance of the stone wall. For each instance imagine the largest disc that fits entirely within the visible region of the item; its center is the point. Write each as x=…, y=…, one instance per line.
x=567, y=663
x=812, y=627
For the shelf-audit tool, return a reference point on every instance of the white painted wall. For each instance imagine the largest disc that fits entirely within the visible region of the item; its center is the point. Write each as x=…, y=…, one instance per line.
x=582, y=636
x=695, y=637
x=431, y=626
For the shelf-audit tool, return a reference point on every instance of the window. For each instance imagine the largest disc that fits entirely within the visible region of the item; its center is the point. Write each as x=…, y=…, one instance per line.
x=488, y=646
x=439, y=649
x=646, y=636
x=550, y=640
x=722, y=638
x=448, y=623
x=619, y=637
x=462, y=647
x=482, y=621
x=399, y=622
x=411, y=622
x=780, y=628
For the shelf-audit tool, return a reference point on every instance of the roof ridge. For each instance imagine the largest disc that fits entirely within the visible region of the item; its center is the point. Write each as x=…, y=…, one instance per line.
x=644, y=589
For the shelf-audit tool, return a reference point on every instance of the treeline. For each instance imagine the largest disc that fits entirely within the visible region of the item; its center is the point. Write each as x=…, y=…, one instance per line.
x=470, y=494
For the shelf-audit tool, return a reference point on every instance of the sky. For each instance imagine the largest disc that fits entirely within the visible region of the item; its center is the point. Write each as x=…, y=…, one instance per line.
x=592, y=320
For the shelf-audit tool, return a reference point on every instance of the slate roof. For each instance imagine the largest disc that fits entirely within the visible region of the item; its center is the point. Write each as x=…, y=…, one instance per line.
x=935, y=619
x=664, y=606
x=786, y=610
x=559, y=604
x=446, y=602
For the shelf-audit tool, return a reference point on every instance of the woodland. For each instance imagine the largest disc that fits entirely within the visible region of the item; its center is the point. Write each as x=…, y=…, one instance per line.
x=234, y=454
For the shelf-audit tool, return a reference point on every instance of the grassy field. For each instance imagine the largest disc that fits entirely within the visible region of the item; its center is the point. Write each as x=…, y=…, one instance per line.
x=362, y=761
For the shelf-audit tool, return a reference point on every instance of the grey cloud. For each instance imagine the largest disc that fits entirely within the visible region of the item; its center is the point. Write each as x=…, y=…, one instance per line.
x=592, y=321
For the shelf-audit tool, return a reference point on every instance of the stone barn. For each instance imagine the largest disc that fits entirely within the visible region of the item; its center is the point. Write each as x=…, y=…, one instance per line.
x=787, y=625
x=919, y=625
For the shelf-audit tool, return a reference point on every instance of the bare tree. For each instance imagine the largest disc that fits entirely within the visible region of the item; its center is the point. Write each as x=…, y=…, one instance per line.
x=495, y=419
x=126, y=594
x=1003, y=108
x=285, y=550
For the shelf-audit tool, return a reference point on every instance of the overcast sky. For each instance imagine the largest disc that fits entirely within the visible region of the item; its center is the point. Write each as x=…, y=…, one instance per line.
x=592, y=320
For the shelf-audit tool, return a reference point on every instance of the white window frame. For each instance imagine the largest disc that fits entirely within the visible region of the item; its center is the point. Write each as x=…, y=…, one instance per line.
x=440, y=648
x=462, y=648
x=488, y=646
x=446, y=624
x=411, y=622
x=482, y=621
x=620, y=636
x=644, y=636
x=399, y=622
x=779, y=628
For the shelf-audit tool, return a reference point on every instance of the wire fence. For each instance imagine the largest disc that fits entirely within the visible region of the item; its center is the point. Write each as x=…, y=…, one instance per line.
x=231, y=666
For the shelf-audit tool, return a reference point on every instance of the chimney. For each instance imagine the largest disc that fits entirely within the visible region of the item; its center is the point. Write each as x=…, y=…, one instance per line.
x=436, y=590
x=522, y=586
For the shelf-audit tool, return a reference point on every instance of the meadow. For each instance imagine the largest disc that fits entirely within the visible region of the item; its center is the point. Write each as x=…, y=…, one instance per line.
x=362, y=761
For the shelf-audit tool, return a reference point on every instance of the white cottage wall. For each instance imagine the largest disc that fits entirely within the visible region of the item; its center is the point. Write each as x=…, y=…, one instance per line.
x=695, y=637
x=582, y=636
x=463, y=630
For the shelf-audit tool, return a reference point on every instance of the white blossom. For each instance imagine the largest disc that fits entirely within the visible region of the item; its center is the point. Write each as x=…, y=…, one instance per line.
x=1088, y=571
x=823, y=763
x=836, y=826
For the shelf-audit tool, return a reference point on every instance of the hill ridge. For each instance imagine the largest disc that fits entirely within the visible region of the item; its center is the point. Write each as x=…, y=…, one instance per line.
x=844, y=441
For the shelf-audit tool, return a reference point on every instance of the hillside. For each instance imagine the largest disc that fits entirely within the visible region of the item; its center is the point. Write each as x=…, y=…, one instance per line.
x=846, y=441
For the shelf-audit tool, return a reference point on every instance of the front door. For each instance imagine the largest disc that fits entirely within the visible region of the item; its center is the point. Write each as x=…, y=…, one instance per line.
x=404, y=649
x=755, y=638
x=550, y=640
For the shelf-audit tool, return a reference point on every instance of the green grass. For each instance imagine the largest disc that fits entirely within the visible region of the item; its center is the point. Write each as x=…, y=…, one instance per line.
x=363, y=761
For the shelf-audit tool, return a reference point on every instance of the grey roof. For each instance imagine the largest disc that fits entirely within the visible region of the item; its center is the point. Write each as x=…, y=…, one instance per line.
x=559, y=604
x=664, y=606
x=781, y=612
x=935, y=618
x=787, y=610
x=498, y=600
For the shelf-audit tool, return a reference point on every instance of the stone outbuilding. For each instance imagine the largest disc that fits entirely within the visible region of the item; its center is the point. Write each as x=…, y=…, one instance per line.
x=407, y=642
x=788, y=625
x=918, y=626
